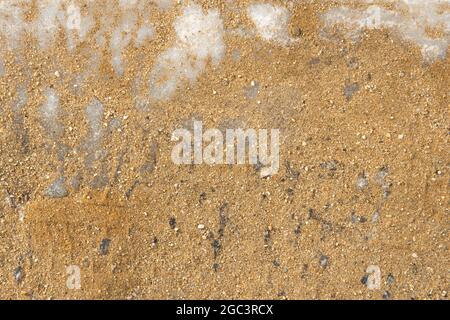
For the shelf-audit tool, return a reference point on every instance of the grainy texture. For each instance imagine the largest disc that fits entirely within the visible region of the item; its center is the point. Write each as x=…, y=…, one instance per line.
x=86, y=177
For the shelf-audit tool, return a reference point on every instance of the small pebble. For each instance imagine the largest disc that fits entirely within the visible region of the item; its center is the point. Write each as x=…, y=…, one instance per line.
x=362, y=181
x=390, y=279
x=376, y=216
x=172, y=222
x=323, y=261
x=104, y=247
x=201, y=226
x=18, y=274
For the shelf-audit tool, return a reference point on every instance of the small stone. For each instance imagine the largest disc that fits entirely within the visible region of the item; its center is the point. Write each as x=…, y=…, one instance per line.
x=362, y=181
x=376, y=216
x=251, y=92
x=390, y=279
x=386, y=295
x=216, y=247
x=358, y=219
x=201, y=226
x=414, y=255
x=202, y=197
x=295, y=31
x=172, y=223
x=104, y=247
x=323, y=261
x=330, y=165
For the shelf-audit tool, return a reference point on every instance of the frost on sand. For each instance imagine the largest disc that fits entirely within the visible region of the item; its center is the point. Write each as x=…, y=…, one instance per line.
x=410, y=21
x=271, y=22
x=199, y=39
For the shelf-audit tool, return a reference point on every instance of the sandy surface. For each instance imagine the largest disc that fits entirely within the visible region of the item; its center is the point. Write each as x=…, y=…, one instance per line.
x=363, y=177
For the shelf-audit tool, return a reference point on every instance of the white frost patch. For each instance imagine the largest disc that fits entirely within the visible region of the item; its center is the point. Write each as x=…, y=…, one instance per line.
x=409, y=20
x=12, y=24
x=127, y=31
x=122, y=22
x=46, y=26
x=120, y=39
x=57, y=189
x=199, y=38
x=145, y=33
x=94, y=114
x=22, y=99
x=271, y=22
x=49, y=113
x=50, y=117
x=21, y=213
x=12, y=27
x=164, y=4
x=77, y=26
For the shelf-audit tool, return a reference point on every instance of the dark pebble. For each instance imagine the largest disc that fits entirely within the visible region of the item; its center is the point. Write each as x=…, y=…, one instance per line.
x=202, y=197
x=172, y=222
x=104, y=246
x=216, y=247
x=290, y=192
x=364, y=279
x=358, y=219
x=390, y=279
x=323, y=261
x=18, y=274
